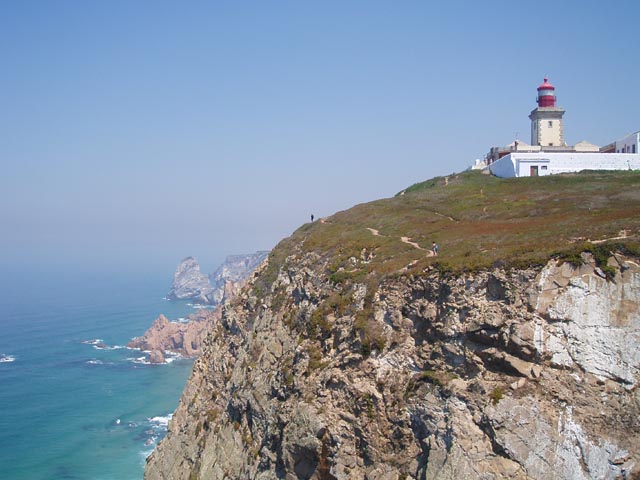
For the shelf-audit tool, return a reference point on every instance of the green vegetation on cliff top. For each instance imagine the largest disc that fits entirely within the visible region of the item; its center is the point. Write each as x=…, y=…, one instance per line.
x=478, y=221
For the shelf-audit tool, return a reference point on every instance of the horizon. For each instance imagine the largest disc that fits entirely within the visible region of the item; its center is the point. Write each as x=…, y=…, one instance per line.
x=143, y=134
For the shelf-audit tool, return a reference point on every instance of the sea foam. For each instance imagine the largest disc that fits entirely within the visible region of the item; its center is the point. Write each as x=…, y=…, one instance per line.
x=99, y=344
x=160, y=422
x=7, y=358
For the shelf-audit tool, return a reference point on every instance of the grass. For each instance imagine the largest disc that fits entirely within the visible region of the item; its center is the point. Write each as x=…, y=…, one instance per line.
x=478, y=221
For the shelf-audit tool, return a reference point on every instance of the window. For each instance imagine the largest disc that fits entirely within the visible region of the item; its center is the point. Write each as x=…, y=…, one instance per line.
x=543, y=167
x=633, y=148
x=550, y=123
x=551, y=144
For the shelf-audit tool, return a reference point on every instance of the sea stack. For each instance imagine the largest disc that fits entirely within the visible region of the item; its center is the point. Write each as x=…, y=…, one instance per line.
x=190, y=282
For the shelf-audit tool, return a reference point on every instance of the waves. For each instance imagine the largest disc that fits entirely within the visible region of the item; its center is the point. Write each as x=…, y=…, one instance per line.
x=99, y=344
x=169, y=357
x=4, y=358
x=156, y=429
x=198, y=306
x=96, y=361
x=140, y=360
x=160, y=423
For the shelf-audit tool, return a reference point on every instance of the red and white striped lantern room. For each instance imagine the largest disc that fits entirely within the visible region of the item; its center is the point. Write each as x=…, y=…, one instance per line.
x=546, y=94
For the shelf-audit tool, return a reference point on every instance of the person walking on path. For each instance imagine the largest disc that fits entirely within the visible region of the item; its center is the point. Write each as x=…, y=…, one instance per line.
x=312, y=218
x=434, y=249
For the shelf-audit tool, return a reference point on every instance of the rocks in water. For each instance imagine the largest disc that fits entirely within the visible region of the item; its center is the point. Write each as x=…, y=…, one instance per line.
x=184, y=339
x=156, y=356
x=190, y=282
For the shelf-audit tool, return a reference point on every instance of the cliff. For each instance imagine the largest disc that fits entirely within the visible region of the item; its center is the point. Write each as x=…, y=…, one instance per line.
x=185, y=339
x=353, y=354
x=190, y=283
x=229, y=277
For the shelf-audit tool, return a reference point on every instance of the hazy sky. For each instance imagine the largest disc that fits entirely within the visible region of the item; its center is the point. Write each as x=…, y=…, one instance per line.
x=145, y=131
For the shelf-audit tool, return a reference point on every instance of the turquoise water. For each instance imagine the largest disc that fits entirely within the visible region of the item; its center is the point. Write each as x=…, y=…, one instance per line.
x=70, y=410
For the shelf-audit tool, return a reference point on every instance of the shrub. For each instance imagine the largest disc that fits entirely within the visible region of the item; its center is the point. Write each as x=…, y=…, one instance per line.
x=496, y=395
x=315, y=358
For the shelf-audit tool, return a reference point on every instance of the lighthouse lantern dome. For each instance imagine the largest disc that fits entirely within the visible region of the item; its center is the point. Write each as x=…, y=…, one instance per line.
x=546, y=94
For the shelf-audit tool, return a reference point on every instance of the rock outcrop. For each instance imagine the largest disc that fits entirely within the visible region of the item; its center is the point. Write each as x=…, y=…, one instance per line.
x=527, y=373
x=190, y=282
x=229, y=276
x=184, y=339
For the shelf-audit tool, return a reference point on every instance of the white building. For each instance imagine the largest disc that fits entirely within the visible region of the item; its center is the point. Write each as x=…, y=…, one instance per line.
x=629, y=144
x=548, y=154
x=549, y=163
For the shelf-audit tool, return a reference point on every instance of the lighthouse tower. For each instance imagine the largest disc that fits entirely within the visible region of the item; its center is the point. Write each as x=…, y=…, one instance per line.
x=546, y=120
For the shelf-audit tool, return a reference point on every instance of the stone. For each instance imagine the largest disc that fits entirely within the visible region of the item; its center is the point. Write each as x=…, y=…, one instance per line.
x=156, y=356
x=190, y=282
x=461, y=382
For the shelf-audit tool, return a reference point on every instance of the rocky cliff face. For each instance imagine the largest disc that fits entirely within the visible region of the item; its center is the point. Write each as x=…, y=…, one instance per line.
x=229, y=276
x=522, y=374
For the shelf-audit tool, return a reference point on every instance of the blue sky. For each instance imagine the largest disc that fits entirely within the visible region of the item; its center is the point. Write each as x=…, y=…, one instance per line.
x=141, y=132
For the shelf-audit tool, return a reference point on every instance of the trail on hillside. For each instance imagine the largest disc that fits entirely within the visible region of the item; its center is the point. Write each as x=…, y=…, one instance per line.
x=622, y=234
x=445, y=216
x=408, y=241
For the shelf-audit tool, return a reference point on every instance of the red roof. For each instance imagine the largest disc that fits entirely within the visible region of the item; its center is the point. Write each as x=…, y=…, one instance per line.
x=546, y=85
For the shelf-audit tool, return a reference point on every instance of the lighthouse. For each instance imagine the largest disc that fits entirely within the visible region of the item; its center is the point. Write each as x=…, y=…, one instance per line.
x=546, y=119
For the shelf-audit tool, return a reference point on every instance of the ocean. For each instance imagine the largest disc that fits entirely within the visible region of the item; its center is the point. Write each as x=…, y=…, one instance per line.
x=75, y=403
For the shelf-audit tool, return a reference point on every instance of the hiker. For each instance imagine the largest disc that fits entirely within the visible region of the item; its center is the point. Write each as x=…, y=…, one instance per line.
x=434, y=249
x=312, y=218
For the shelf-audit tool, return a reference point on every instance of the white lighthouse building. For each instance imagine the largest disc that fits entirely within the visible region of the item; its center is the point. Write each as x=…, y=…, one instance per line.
x=546, y=119
x=549, y=154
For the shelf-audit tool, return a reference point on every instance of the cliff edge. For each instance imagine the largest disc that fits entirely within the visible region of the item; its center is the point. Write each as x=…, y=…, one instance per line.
x=356, y=354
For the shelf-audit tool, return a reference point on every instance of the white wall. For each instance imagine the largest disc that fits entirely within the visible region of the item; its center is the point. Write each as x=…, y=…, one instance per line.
x=519, y=164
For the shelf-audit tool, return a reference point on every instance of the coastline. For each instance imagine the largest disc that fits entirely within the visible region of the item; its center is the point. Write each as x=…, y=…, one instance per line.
x=72, y=387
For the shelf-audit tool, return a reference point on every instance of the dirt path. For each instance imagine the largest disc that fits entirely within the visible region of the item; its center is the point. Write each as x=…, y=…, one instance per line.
x=445, y=216
x=622, y=234
x=413, y=244
x=406, y=240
